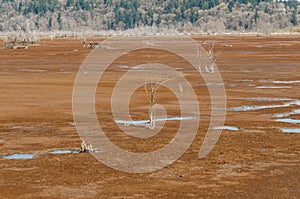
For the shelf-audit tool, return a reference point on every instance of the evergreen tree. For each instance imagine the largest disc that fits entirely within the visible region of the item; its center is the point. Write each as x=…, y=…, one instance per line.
x=294, y=17
x=59, y=20
x=158, y=20
x=50, y=23
x=256, y=16
x=69, y=3
x=230, y=6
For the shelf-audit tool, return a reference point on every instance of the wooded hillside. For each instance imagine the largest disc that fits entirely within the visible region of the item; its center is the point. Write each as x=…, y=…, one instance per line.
x=212, y=16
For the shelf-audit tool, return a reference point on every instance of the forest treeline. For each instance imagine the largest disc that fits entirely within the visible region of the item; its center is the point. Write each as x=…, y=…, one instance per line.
x=212, y=16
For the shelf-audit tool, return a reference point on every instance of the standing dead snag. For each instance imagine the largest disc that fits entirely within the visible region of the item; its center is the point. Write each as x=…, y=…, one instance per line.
x=212, y=58
x=199, y=54
x=154, y=86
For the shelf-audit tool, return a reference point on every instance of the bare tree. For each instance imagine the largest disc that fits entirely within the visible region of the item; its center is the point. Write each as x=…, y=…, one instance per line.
x=212, y=53
x=154, y=86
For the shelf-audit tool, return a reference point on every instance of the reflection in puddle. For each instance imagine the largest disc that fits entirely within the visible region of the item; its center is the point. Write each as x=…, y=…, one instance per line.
x=230, y=128
x=289, y=130
x=64, y=151
x=19, y=156
x=288, y=120
x=1, y=141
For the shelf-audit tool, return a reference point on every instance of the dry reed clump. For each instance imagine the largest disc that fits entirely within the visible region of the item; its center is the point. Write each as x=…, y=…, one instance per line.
x=19, y=40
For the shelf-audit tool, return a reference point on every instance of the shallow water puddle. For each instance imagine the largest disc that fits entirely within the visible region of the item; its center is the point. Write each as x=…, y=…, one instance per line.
x=290, y=130
x=31, y=156
x=279, y=81
x=294, y=112
x=272, y=87
x=265, y=99
x=33, y=70
x=230, y=128
x=142, y=122
x=21, y=127
x=288, y=120
x=1, y=141
x=286, y=82
x=295, y=102
x=6, y=73
x=68, y=151
x=19, y=156
x=254, y=108
x=244, y=80
x=138, y=67
x=123, y=67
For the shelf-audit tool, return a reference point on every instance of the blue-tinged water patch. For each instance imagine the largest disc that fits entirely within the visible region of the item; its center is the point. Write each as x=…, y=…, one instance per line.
x=254, y=108
x=230, y=128
x=288, y=120
x=290, y=130
x=141, y=122
x=294, y=112
x=265, y=99
x=19, y=156
x=67, y=151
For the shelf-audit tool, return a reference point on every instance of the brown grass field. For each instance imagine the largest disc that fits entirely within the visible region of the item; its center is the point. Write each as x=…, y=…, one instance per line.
x=256, y=161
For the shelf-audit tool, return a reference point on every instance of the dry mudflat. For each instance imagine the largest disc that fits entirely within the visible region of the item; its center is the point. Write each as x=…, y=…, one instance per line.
x=254, y=156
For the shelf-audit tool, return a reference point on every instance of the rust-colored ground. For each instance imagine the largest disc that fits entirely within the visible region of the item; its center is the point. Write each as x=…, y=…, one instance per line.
x=257, y=161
